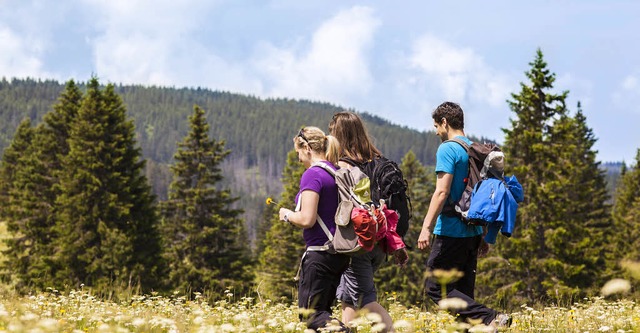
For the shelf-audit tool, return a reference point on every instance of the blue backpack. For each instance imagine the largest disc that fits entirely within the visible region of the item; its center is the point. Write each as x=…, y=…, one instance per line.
x=486, y=160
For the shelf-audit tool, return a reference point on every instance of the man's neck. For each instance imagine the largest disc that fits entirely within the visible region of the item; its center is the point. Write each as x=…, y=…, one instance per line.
x=454, y=132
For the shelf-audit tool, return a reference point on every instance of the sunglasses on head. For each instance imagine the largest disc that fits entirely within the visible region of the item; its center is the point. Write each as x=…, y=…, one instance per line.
x=300, y=134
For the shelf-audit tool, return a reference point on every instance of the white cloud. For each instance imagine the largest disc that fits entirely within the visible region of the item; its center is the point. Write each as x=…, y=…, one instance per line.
x=580, y=89
x=20, y=56
x=434, y=71
x=459, y=73
x=332, y=67
x=627, y=95
x=631, y=83
x=152, y=42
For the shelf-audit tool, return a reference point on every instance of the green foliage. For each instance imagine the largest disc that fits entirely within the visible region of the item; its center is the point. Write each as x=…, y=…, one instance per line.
x=106, y=225
x=33, y=200
x=16, y=254
x=558, y=249
x=407, y=284
x=10, y=164
x=256, y=131
x=626, y=215
x=24, y=98
x=205, y=241
x=283, y=244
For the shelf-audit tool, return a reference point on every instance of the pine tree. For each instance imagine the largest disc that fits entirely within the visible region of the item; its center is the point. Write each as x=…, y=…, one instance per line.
x=551, y=154
x=583, y=217
x=527, y=147
x=105, y=221
x=37, y=181
x=34, y=197
x=283, y=244
x=206, y=245
x=266, y=220
x=16, y=254
x=407, y=284
x=10, y=163
x=58, y=122
x=625, y=235
x=626, y=214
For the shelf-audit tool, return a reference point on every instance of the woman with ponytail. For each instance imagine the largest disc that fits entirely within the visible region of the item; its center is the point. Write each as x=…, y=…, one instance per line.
x=320, y=267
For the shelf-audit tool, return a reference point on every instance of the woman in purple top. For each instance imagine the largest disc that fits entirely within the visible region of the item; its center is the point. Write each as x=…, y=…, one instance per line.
x=320, y=268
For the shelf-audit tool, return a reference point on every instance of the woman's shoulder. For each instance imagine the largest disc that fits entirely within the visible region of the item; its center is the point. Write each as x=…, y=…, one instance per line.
x=319, y=169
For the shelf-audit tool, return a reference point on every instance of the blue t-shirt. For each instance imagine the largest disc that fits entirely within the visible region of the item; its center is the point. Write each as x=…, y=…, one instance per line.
x=453, y=159
x=318, y=180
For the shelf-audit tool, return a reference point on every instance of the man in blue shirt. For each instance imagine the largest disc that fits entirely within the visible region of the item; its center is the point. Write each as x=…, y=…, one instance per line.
x=453, y=243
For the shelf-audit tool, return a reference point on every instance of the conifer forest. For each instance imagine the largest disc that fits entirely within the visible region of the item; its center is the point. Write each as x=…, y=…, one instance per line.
x=116, y=191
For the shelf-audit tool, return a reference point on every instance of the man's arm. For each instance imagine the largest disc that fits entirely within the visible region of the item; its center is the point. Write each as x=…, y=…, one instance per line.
x=438, y=199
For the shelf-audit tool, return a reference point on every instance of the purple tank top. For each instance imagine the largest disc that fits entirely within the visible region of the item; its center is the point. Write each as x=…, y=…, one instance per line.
x=320, y=181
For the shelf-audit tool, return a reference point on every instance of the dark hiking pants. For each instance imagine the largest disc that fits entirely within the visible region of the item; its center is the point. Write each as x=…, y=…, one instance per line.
x=448, y=253
x=319, y=278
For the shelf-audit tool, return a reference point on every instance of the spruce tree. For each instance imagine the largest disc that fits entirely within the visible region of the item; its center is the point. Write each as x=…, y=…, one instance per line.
x=583, y=216
x=33, y=196
x=626, y=214
x=551, y=154
x=206, y=247
x=283, y=244
x=16, y=254
x=530, y=157
x=37, y=181
x=106, y=223
x=406, y=284
x=266, y=220
x=10, y=164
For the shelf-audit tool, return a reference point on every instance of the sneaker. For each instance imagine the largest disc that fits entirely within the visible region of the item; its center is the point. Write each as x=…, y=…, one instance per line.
x=502, y=320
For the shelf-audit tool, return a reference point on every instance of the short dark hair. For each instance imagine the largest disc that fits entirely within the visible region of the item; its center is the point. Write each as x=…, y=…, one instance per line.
x=452, y=112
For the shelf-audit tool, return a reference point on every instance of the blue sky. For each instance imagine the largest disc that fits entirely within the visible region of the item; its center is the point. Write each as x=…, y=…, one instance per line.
x=395, y=59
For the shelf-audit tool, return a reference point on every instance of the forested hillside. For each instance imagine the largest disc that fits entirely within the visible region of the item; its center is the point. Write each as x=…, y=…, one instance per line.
x=78, y=208
x=258, y=132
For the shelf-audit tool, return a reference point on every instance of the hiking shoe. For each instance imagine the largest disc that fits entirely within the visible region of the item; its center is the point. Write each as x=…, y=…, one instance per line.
x=502, y=320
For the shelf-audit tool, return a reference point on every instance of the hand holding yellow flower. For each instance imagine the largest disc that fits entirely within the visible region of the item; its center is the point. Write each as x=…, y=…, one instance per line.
x=270, y=201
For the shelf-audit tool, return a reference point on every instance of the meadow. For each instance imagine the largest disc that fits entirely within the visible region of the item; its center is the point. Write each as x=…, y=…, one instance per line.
x=80, y=311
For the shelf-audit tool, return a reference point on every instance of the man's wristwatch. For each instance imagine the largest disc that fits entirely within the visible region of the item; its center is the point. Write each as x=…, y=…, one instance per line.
x=286, y=217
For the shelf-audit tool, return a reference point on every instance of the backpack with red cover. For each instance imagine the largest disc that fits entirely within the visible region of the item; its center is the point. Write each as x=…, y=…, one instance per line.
x=388, y=184
x=359, y=223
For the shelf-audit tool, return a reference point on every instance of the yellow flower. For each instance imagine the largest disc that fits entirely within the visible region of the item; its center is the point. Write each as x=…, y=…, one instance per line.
x=270, y=201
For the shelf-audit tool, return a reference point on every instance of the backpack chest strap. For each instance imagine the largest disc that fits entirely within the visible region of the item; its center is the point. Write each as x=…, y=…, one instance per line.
x=318, y=248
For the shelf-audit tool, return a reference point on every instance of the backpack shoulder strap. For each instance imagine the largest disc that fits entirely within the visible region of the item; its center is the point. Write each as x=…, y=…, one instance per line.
x=449, y=203
x=461, y=142
x=324, y=228
x=326, y=167
x=332, y=172
x=352, y=162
